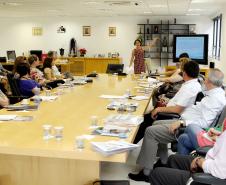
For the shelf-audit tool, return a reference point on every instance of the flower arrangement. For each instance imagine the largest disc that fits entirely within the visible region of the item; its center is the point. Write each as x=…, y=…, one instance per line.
x=82, y=51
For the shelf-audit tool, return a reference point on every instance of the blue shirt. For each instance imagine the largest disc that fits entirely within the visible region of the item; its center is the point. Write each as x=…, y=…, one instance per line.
x=26, y=87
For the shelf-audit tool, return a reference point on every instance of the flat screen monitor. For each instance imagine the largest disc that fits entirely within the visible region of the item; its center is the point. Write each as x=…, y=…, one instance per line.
x=195, y=45
x=38, y=53
x=11, y=55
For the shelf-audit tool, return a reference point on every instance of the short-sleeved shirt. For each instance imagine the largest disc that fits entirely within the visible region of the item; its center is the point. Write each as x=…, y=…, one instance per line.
x=205, y=111
x=26, y=87
x=187, y=94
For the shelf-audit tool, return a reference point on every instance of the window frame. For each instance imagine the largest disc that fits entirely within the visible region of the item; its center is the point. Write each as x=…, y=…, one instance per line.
x=217, y=29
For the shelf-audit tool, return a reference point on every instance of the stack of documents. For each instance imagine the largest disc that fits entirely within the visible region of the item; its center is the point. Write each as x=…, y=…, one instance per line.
x=112, y=130
x=124, y=120
x=112, y=96
x=113, y=147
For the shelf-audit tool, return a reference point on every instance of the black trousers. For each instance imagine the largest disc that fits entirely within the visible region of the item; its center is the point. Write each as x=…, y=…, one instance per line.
x=177, y=173
x=148, y=121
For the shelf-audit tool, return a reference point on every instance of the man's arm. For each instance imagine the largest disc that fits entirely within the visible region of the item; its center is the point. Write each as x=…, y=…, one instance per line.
x=174, y=109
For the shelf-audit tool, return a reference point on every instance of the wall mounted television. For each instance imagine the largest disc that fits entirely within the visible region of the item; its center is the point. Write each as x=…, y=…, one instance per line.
x=195, y=45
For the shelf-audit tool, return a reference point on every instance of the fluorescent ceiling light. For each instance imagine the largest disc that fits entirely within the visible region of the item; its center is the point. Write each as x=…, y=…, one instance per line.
x=198, y=1
x=190, y=14
x=147, y=12
x=158, y=6
x=90, y=2
x=10, y=4
x=195, y=9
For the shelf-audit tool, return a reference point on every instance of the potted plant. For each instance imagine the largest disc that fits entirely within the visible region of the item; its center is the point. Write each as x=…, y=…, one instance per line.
x=82, y=52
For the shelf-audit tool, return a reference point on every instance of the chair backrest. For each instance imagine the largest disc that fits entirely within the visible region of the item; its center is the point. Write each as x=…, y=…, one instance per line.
x=115, y=68
x=219, y=120
x=199, y=97
x=13, y=83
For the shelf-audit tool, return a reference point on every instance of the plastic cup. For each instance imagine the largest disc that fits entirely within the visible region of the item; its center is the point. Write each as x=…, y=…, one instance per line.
x=94, y=120
x=48, y=92
x=58, y=132
x=80, y=142
x=47, y=131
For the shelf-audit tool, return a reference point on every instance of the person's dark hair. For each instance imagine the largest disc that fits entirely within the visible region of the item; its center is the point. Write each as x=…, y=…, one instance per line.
x=137, y=40
x=184, y=55
x=23, y=69
x=48, y=62
x=50, y=54
x=32, y=59
x=191, y=68
x=19, y=60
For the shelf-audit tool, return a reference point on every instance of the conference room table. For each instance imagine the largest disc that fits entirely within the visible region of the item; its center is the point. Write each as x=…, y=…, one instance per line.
x=26, y=158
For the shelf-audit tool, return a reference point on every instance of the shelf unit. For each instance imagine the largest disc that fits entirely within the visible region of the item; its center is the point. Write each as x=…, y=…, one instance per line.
x=163, y=51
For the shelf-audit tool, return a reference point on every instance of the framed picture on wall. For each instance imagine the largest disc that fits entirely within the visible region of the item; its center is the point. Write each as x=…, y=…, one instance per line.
x=86, y=30
x=112, y=31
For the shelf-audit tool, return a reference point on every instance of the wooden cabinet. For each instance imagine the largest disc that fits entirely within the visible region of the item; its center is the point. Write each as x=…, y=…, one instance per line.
x=83, y=66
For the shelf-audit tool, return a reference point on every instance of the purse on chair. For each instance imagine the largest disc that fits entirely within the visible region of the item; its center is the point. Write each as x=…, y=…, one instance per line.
x=111, y=182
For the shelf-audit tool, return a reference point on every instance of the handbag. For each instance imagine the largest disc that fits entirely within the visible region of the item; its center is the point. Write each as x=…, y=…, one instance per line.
x=111, y=182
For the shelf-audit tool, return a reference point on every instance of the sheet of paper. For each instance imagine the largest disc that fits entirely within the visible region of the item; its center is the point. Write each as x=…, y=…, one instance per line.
x=7, y=117
x=112, y=97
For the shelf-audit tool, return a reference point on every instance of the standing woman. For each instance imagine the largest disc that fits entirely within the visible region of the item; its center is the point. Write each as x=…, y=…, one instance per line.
x=138, y=56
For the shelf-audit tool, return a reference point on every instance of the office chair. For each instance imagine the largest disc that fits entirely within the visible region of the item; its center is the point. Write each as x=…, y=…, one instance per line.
x=16, y=94
x=205, y=178
x=115, y=68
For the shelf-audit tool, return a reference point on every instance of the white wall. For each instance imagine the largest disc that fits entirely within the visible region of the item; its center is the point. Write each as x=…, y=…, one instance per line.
x=16, y=33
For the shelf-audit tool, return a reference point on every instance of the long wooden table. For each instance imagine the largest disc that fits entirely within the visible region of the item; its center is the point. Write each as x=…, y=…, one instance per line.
x=25, y=158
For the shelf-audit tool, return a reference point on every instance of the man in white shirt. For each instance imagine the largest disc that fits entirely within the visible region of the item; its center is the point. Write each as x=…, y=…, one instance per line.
x=159, y=135
x=184, y=98
x=180, y=166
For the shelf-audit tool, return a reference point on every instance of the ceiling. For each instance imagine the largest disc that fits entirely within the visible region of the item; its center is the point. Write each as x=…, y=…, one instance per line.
x=24, y=8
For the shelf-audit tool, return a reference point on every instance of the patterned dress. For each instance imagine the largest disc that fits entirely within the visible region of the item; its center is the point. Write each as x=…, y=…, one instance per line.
x=139, y=65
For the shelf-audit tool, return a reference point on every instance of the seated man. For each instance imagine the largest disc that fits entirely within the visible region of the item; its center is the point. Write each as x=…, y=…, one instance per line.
x=159, y=135
x=184, y=98
x=180, y=166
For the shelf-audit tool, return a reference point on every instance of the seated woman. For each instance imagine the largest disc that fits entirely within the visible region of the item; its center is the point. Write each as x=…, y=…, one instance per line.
x=175, y=75
x=19, y=60
x=27, y=86
x=195, y=137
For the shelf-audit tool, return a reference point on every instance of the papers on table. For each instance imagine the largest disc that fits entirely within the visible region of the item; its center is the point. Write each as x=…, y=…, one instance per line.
x=21, y=107
x=112, y=130
x=47, y=98
x=112, y=97
x=7, y=117
x=113, y=147
x=15, y=118
x=116, y=104
x=139, y=98
x=124, y=120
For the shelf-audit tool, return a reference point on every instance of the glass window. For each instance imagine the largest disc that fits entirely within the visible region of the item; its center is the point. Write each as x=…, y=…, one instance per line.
x=217, y=23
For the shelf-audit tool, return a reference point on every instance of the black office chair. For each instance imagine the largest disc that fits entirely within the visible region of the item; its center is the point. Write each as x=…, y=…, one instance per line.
x=16, y=94
x=204, y=178
x=115, y=68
